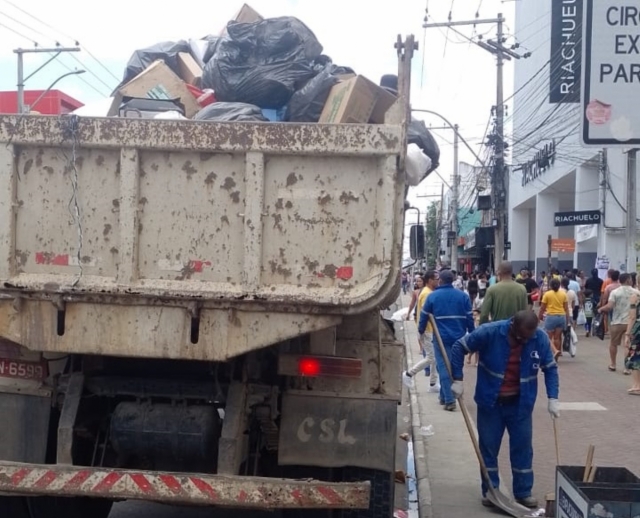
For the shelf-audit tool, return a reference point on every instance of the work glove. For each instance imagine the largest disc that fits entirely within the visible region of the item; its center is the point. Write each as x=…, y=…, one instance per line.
x=457, y=387
x=554, y=408
x=407, y=379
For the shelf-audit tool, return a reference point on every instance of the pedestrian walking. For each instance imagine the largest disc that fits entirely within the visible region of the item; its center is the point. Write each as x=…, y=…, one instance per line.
x=504, y=299
x=431, y=279
x=554, y=312
x=594, y=283
x=417, y=288
x=512, y=352
x=530, y=285
x=618, y=305
x=451, y=309
x=405, y=282
x=589, y=308
x=632, y=342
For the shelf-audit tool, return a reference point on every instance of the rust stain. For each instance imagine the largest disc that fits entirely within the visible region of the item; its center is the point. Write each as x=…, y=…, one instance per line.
x=279, y=269
x=277, y=221
x=114, y=250
x=27, y=166
x=229, y=183
x=280, y=204
x=288, y=205
x=329, y=271
x=143, y=201
x=235, y=196
x=211, y=178
x=189, y=168
x=99, y=160
x=21, y=258
x=292, y=179
x=224, y=219
x=380, y=182
x=48, y=169
x=107, y=230
x=312, y=266
x=155, y=167
x=39, y=158
x=323, y=200
x=346, y=197
x=116, y=204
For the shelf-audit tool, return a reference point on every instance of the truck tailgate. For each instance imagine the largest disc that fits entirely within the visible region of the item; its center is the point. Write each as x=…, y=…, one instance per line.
x=307, y=215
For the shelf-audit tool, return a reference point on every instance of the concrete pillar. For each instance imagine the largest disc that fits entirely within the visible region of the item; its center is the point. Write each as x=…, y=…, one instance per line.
x=587, y=197
x=547, y=204
x=520, y=255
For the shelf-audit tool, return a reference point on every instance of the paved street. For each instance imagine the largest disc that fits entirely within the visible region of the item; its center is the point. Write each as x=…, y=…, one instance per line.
x=602, y=414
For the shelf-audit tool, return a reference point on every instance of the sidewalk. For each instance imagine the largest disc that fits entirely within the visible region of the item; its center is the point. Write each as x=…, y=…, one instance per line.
x=446, y=465
x=595, y=409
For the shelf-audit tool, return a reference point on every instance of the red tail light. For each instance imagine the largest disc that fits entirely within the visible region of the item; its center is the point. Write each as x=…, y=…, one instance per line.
x=319, y=366
x=309, y=367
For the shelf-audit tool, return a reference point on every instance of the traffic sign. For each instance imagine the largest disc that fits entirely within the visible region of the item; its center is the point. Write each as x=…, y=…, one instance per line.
x=611, y=74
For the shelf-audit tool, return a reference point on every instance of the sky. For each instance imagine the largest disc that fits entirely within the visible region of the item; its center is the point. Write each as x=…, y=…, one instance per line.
x=450, y=75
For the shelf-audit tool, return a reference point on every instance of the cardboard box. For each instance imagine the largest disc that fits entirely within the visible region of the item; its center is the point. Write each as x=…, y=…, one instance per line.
x=246, y=14
x=356, y=100
x=157, y=82
x=190, y=71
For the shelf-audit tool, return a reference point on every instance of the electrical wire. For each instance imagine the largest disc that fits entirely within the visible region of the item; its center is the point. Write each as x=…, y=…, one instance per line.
x=19, y=34
x=67, y=36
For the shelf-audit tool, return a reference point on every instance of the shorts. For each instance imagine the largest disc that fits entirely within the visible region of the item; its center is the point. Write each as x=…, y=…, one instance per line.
x=576, y=312
x=555, y=322
x=617, y=333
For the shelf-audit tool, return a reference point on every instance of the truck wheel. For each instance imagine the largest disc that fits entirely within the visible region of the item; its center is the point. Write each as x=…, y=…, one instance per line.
x=382, y=492
x=75, y=507
x=13, y=507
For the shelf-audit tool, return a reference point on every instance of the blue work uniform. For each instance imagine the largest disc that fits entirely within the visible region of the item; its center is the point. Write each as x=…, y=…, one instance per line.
x=451, y=309
x=494, y=414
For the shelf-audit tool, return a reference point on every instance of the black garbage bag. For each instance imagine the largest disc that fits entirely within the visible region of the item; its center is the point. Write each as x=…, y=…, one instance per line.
x=167, y=51
x=228, y=112
x=211, y=47
x=262, y=63
x=306, y=104
x=419, y=134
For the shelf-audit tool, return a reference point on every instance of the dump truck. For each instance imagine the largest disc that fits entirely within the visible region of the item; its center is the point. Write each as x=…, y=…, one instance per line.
x=190, y=313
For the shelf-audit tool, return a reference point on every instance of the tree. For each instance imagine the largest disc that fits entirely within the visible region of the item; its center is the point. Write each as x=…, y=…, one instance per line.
x=431, y=231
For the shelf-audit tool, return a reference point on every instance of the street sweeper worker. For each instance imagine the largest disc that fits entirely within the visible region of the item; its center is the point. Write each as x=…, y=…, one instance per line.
x=511, y=353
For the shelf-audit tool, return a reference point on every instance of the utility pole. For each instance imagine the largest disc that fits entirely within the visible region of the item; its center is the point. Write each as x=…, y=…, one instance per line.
x=454, y=201
x=631, y=211
x=36, y=50
x=499, y=180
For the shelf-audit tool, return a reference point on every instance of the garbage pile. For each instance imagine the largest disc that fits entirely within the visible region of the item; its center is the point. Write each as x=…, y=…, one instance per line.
x=256, y=70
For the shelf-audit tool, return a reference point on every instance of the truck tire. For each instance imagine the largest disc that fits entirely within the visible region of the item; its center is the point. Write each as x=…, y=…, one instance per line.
x=75, y=507
x=382, y=492
x=13, y=507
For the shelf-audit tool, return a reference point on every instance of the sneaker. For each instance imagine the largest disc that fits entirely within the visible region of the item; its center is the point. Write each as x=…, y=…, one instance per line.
x=528, y=501
x=433, y=389
x=450, y=407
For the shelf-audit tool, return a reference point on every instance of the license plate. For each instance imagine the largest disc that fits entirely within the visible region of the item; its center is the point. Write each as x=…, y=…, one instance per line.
x=23, y=370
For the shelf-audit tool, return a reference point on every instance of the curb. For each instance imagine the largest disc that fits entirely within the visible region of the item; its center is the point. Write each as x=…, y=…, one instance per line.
x=420, y=452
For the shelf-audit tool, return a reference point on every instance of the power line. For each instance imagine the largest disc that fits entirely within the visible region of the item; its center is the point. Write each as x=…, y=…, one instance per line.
x=51, y=27
x=19, y=34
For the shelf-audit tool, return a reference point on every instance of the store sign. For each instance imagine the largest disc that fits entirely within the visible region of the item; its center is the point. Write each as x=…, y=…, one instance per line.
x=582, y=217
x=611, y=74
x=470, y=240
x=540, y=163
x=566, y=51
x=586, y=232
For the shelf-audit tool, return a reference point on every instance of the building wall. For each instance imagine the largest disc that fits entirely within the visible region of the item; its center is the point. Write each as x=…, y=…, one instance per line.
x=575, y=180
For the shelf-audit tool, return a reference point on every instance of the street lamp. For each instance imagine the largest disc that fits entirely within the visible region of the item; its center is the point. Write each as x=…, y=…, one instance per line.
x=72, y=73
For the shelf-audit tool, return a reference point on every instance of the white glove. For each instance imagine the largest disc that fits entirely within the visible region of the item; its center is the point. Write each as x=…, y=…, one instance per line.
x=457, y=387
x=407, y=380
x=554, y=408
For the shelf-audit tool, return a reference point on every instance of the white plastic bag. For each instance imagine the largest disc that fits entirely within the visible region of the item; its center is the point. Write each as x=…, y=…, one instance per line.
x=574, y=343
x=582, y=320
x=417, y=165
x=400, y=315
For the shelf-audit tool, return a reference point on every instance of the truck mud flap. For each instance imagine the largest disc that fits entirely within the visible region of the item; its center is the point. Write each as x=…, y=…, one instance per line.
x=335, y=431
x=181, y=488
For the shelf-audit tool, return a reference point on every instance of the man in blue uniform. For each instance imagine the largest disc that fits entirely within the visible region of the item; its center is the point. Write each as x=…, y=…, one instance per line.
x=451, y=309
x=511, y=352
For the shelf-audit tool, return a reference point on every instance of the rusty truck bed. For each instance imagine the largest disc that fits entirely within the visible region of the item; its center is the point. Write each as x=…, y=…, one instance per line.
x=129, y=228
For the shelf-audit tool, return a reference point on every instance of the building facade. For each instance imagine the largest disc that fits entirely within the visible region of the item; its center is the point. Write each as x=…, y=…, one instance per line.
x=52, y=102
x=550, y=171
